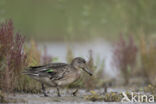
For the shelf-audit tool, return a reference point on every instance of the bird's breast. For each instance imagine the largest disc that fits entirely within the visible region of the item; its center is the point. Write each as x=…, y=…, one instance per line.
x=68, y=78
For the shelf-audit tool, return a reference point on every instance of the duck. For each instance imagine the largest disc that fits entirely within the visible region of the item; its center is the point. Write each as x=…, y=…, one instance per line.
x=58, y=75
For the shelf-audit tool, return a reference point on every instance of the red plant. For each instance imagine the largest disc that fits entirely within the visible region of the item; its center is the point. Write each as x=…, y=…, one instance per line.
x=6, y=37
x=125, y=56
x=12, y=57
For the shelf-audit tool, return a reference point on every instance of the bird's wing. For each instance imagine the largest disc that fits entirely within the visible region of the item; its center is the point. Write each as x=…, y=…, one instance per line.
x=54, y=71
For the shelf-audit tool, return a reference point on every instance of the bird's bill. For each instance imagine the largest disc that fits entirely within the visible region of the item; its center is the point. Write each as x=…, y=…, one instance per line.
x=86, y=70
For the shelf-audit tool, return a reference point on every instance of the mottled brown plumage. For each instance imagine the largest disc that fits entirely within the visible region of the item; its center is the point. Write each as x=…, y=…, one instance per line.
x=58, y=74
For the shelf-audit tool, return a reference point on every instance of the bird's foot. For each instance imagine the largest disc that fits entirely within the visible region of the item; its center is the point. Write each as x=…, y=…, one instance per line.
x=44, y=90
x=46, y=95
x=58, y=92
x=59, y=95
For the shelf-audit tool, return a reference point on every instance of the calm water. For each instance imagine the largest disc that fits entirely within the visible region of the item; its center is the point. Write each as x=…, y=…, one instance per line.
x=102, y=52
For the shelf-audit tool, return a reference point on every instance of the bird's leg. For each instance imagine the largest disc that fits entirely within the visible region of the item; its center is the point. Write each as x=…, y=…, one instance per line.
x=105, y=88
x=44, y=90
x=58, y=92
x=75, y=92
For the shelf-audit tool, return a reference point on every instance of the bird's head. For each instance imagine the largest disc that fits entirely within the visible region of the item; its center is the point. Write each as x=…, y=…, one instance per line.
x=80, y=63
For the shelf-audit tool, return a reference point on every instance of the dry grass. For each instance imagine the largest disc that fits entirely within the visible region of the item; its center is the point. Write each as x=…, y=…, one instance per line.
x=148, y=59
x=25, y=83
x=14, y=58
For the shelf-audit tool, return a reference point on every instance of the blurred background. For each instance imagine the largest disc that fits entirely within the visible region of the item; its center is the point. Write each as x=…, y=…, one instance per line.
x=114, y=36
x=66, y=21
x=60, y=20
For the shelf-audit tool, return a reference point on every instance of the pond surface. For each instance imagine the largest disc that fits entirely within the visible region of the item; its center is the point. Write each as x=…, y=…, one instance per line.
x=102, y=52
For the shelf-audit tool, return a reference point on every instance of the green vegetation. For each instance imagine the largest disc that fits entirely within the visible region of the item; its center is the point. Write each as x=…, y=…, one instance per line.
x=78, y=20
x=148, y=59
x=114, y=96
x=94, y=96
x=2, y=98
x=150, y=89
x=23, y=55
x=15, y=56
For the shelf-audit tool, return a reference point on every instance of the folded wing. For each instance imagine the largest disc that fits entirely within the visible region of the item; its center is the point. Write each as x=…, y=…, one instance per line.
x=54, y=71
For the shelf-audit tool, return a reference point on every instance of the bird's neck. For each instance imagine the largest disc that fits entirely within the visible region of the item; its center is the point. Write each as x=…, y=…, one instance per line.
x=78, y=70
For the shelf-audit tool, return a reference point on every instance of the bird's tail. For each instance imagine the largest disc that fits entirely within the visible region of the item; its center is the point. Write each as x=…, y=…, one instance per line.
x=30, y=71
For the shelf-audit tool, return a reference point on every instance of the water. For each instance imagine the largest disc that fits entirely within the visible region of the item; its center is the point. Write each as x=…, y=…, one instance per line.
x=102, y=52
x=59, y=49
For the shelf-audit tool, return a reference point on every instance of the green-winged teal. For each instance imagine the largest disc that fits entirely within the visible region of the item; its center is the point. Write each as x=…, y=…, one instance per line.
x=58, y=74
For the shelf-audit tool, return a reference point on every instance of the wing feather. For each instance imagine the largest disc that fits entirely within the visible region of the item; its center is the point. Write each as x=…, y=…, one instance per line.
x=54, y=70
